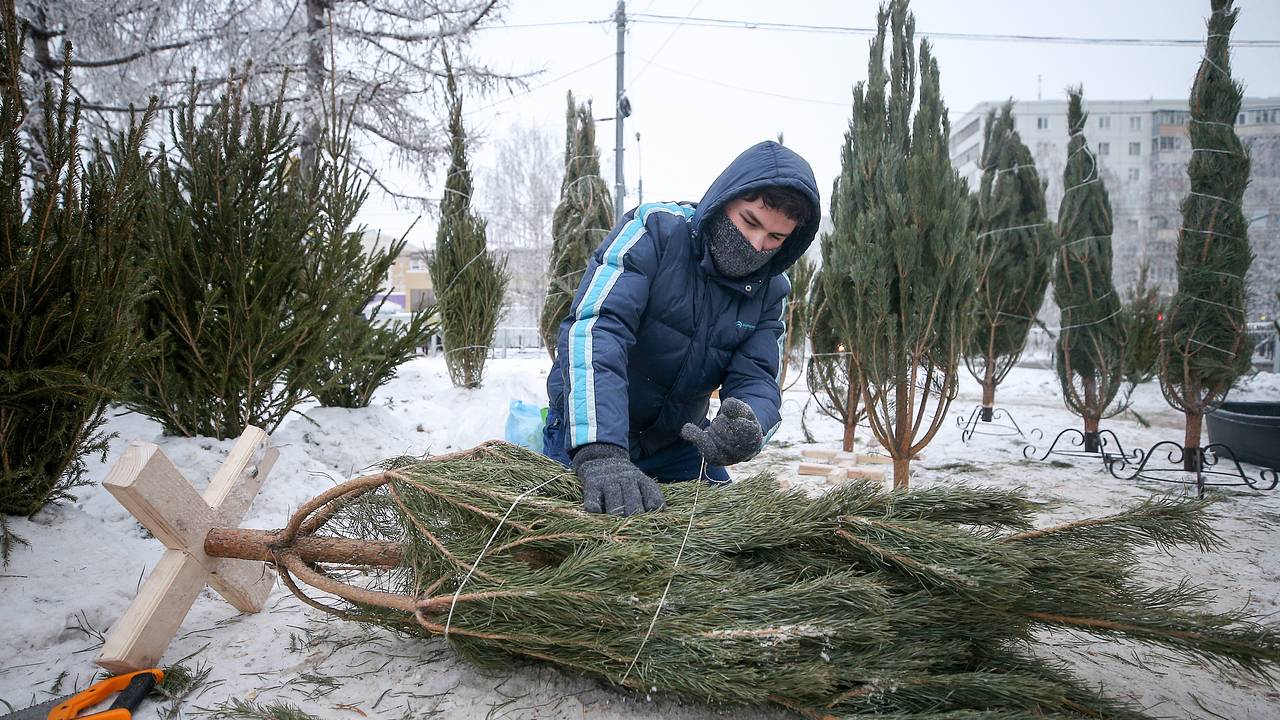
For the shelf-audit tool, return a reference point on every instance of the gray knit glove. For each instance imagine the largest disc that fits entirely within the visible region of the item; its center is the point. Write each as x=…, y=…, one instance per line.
x=612, y=484
x=734, y=435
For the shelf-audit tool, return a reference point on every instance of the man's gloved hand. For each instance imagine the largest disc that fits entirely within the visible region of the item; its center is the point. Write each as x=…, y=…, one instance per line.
x=734, y=435
x=612, y=484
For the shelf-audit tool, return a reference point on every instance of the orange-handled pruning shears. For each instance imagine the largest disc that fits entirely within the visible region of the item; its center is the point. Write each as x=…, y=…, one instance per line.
x=133, y=688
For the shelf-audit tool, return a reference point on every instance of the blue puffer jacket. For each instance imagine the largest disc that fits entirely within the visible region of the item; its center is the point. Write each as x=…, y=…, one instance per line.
x=654, y=328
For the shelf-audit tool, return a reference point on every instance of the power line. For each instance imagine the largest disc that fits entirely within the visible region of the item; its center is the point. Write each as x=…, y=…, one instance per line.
x=979, y=37
x=635, y=78
x=536, y=88
x=685, y=73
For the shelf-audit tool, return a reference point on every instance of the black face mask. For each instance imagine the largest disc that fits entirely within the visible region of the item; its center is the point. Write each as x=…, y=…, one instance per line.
x=731, y=252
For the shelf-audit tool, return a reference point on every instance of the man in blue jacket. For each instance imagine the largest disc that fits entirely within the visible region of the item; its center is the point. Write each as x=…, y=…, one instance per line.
x=679, y=300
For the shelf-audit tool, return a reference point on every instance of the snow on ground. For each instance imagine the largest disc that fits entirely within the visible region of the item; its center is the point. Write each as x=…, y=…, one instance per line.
x=86, y=560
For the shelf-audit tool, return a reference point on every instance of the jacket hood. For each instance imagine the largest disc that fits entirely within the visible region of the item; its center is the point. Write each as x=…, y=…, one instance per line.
x=766, y=164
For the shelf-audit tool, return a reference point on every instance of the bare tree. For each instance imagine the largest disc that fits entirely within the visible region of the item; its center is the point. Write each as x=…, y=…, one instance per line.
x=519, y=189
x=381, y=57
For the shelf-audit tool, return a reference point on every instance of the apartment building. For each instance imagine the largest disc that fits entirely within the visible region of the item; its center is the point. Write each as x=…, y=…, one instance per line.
x=1143, y=150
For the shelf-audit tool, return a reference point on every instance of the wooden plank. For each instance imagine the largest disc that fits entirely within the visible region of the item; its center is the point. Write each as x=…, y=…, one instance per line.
x=139, y=638
x=815, y=469
x=822, y=454
x=153, y=490
x=866, y=472
x=238, y=480
x=837, y=475
x=873, y=459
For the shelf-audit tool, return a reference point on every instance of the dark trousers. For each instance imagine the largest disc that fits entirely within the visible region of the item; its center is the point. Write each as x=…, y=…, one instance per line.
x=676, y=463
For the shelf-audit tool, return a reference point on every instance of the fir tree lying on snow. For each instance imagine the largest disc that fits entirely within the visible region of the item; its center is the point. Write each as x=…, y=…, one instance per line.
x=857, y=603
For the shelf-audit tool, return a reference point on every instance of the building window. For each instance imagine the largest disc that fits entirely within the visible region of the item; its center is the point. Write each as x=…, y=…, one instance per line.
x=1135, y=122
x=1134, y=174
x=417, y=263
x=1104, y=122
x=1104, y=148
x=1042, y=123
x=1168, y=142
x=965, y=133
x=1135, y=148
x=1240, y=120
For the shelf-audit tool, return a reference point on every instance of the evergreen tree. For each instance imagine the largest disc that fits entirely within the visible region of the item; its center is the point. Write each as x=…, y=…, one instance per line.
x=1204, y=347
x=469, y=281
x=1141, y=322
x=69, y=285
x=1090, y=351
x=1015, y=248
x=244, y=299
x=899, y=264
x=359, y=356
x=830, y=374
x=798, y=310
x=582, y=219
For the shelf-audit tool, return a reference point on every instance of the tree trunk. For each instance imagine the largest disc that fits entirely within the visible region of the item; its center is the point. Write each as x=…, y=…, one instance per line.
x=902, y=430
x=850, y=413
x=257, y=545
x=1092, y=442
x=1191, y=443
x=988, y=397
x=309, y=142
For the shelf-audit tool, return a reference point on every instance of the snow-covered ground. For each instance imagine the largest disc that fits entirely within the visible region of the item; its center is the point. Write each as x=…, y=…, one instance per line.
x=86, y=559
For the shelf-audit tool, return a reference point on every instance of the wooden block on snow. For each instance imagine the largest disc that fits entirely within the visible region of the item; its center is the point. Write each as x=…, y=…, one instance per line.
x=815, y=469
x=870, y=459
x=822, y=454
x=873, y=473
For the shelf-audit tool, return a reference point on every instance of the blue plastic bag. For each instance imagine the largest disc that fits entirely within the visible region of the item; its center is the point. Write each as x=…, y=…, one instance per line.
x=524, y=425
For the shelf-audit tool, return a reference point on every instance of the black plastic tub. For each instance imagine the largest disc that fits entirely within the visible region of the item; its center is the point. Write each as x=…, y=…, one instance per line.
x=1250, y=429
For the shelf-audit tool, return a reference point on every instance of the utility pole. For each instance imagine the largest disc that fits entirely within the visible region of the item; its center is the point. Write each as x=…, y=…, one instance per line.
x=639, y=172
x=620, y=186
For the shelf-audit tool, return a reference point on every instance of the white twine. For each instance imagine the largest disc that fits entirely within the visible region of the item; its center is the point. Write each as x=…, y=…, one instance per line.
x=1010, y=229
x=1015, y=168
x=1214, y=122
x=1105, y=295
x=1086, y=182
x=1220, y=152
x=465, y=347
x=1088, y=324
x=1086, y=238
x=1213, y=347
x=454, y=603
x=1216, y=66
x=1215, y=232
x=1214, y=302
x=697, y=489
x=1217, y=197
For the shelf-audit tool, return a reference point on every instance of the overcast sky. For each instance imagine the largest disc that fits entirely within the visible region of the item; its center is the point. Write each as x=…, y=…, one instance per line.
x=700, y=95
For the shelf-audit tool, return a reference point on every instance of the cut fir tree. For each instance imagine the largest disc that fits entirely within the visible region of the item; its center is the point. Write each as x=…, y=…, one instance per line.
x=860, y=603
x=898, y=265
x=1015, y=249
x=1089, y=356
x=469, y=281
x=1203, y=340
x=69, y=284
x=581, y=221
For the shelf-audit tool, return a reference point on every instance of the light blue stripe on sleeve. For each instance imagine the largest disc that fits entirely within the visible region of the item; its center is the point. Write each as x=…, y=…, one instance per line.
x=583, y=428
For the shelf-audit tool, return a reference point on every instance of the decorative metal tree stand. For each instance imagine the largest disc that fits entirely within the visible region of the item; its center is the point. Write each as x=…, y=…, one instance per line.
x=1201, y=469
x=986, y=421
x=1103, y=446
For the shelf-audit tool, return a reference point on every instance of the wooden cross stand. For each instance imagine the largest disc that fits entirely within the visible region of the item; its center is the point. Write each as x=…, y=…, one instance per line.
x=151, y=488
